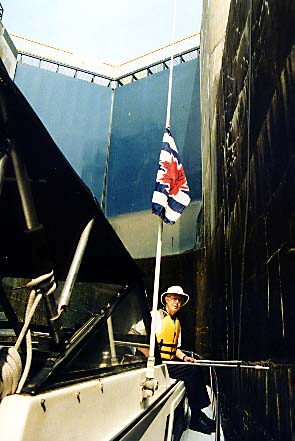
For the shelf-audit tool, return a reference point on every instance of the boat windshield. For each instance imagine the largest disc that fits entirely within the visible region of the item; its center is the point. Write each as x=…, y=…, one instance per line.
x=87, y=300
x=98, y=326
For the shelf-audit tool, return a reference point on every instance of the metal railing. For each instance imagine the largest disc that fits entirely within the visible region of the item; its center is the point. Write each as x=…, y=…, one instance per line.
x=63, y=68
x=101, y=79
x=213, y=365
x=158, y=66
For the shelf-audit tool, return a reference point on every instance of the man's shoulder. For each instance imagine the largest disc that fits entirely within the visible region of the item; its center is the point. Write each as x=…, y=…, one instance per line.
x=162, y=313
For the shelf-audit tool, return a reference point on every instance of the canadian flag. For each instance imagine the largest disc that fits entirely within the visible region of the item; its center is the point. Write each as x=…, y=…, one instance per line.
x=171, y=194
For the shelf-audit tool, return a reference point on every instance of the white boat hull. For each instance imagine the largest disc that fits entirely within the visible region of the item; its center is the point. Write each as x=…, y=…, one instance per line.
x=92, y=410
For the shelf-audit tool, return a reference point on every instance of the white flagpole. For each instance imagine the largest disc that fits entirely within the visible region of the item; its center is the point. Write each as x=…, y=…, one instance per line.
x=151, y=358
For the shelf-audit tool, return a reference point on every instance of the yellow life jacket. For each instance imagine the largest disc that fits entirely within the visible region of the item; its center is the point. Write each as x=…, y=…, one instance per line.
x=167, y=338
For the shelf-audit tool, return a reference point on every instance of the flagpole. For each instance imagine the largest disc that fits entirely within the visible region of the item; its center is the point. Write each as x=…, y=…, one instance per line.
x=151, y=358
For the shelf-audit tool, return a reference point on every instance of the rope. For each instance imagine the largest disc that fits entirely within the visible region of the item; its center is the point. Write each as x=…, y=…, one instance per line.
x=247, y=179
x=31, y=308
x=42, y=44
x=171, y=71
x=11, y=377
x=152, y=52
x=10, y=371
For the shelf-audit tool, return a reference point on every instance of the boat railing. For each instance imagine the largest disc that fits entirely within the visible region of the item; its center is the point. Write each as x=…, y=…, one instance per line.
x=63, y=68
x=158, y=66
x=215, y=396
x=102, y=79
x=215, y=399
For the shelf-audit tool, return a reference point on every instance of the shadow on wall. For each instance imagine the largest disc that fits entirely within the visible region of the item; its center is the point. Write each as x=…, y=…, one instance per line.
x=138, y=232
x=93, y=165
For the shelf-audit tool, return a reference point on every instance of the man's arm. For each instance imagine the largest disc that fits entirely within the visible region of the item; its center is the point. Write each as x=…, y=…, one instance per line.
x=144, y=351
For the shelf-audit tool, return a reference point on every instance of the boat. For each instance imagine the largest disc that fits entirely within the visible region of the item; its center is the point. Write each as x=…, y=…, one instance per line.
x=69, y=293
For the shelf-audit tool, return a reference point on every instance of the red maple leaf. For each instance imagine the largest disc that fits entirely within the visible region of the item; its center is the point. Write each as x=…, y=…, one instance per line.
x=174, y=176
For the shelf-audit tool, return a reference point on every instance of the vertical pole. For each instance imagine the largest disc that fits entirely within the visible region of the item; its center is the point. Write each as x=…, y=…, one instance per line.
x=217, y=418
x=151, y=358
x=3, y=162
x=32, y=224
x=111, y=339
x=24, y=189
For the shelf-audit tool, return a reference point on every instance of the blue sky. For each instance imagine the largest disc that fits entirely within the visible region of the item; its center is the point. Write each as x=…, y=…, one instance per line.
x=112, y=31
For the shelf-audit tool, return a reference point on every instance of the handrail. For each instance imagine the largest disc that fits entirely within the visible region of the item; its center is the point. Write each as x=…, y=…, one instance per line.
x=162, y=61
x=112, y=81
x=61, y=64
x=228, y=364
x=213, y=364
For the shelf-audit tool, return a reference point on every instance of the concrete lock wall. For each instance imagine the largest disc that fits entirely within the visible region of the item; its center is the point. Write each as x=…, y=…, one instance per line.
x=249, y=211
x=8, y=52
x=78, y=116
x=213, y=32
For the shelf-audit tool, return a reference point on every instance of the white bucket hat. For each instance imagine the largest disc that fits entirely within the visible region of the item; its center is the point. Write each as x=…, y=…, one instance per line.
x=175, y=290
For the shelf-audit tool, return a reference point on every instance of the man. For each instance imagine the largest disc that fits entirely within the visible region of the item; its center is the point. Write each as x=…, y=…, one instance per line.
x=168, y=333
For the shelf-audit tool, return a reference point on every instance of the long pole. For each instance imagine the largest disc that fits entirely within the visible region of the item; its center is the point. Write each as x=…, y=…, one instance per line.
x=227, y=364
x=66, y=293
x=151, y=358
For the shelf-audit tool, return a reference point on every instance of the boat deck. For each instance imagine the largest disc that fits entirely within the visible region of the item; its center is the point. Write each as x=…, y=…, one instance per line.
x=191, y=435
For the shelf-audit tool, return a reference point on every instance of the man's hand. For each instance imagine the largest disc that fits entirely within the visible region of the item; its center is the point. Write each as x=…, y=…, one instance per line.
x=188, y=359
x=183, y=357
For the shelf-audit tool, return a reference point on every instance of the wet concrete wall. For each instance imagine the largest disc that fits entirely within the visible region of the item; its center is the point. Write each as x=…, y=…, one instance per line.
x=249, y=206
x=214, y=21
x=8, y=52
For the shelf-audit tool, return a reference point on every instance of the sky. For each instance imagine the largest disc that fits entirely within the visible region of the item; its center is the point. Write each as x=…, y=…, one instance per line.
x=112, y=31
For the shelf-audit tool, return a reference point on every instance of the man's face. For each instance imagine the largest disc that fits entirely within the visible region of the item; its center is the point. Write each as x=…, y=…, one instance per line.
x=173, y=303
